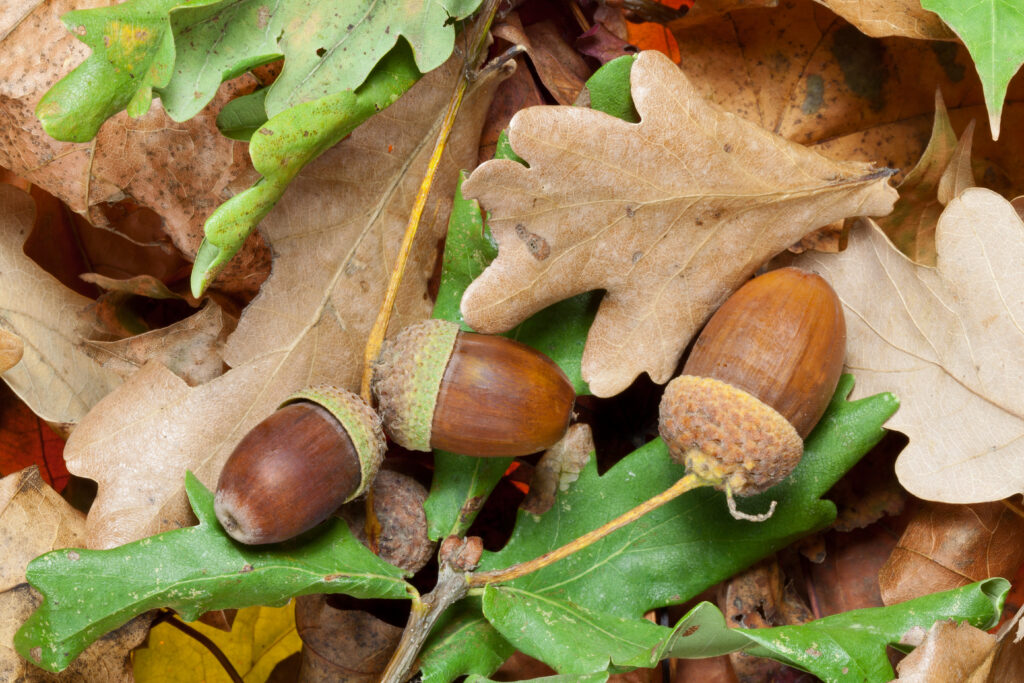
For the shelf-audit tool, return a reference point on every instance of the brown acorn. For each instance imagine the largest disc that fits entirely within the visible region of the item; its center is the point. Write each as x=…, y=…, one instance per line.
x=320, y=449
x=474, y=394
x=759, y=378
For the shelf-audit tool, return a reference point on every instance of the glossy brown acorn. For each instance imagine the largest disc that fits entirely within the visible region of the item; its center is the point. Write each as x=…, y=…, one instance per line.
x=474, y=394
x=295, y=468
x=759, y=378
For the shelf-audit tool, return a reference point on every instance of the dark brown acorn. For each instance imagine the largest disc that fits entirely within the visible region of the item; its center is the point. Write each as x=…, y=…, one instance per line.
x=759, y=378
x=474, y=394
x=320, y=449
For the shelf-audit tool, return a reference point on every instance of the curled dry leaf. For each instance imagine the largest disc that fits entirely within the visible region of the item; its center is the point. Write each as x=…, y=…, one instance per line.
x=950, y=653
x=190, y=348
x=180, y=170
x=947, y=341
x=943, y=172
x=669, y=216
x=558, y=468
x=55, y=377
x=34, y=519
x=335, y=235
x=948, y=546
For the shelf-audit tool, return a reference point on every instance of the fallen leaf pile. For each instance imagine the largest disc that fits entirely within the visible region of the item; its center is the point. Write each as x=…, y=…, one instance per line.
x=612, y=176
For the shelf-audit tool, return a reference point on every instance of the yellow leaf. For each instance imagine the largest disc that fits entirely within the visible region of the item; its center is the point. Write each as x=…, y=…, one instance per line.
x=259, y=639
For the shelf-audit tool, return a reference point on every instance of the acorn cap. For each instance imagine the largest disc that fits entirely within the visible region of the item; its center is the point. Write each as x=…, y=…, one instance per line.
x=407, y=378
x=358, y=420
x=727, y=436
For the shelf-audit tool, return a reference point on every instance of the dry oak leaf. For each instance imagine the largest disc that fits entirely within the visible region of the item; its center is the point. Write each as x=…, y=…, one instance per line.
x=335, y=235
x=55, y=377
x=947, y=341
x=669, y=216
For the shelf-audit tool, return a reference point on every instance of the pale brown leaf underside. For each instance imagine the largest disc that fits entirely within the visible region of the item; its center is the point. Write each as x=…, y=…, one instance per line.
x=669, y=216
x=55, y=377
x=947, y=341
x=182, y=171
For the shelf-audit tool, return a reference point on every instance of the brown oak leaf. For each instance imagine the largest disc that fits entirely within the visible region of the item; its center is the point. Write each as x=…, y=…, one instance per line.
x=669, y=216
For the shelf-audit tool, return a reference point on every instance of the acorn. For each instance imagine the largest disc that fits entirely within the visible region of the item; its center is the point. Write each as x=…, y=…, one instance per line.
x=321, y=448
x=758, y=379
x=474, y=394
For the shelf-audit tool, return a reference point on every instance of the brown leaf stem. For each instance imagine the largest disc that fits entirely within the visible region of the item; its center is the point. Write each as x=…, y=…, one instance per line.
x=687, y=483
x=380, y=325
x=169, y=618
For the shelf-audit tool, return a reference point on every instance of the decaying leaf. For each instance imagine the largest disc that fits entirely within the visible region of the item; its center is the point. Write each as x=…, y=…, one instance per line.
x=342, y=646
x=810, y=76
x=180, y=170
x=943, y=171
x=335, y=235
x=669, y=216
x=947, y=340
x=948, y=546
x=189, y=348
x=34, y=519
x=55, y=377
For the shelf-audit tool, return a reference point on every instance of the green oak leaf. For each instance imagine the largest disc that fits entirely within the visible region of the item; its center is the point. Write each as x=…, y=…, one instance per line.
x=192, y=570
x=282, y=146
x=694, y=534
x=132, y=53
x=848, y=647
x=448, y=656
x=184, y=49
x=327, y=46
x=243, y=116
x=993, y=31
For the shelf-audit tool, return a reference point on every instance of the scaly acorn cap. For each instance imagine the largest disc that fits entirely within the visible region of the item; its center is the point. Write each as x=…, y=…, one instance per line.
x=724, y=434
x=361, y=423
x=407, y=378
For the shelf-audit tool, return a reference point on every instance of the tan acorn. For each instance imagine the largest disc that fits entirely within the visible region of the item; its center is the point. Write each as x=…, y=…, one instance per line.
x=758, y=379
x=320, y=449
x=482, y=395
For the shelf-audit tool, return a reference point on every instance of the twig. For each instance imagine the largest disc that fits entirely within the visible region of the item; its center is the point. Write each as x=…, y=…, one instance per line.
x=451, y=587
x=168, y=617
x=380, y=326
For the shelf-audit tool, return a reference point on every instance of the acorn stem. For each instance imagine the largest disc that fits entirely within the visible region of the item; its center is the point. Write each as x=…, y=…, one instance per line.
x=739, y=514
x=687, y=483
x=380, y=325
